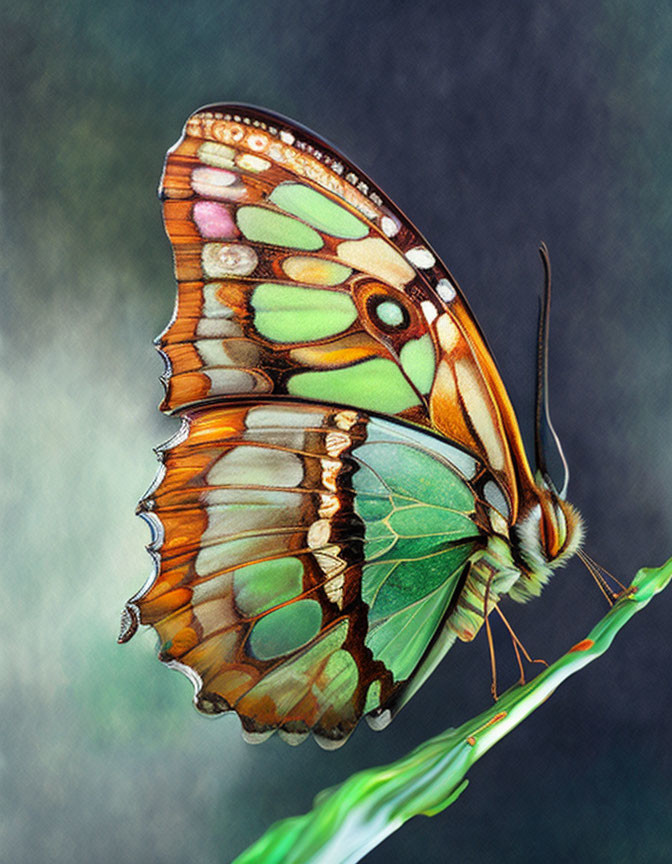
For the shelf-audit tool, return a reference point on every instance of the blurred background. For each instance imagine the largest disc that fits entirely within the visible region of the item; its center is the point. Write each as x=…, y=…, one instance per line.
x=494, y=126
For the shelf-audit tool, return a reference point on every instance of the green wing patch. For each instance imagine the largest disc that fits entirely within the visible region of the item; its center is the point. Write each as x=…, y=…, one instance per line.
x=419, y=535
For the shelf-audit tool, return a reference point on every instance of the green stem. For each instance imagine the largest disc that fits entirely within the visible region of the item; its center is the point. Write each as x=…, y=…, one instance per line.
x=349, y=820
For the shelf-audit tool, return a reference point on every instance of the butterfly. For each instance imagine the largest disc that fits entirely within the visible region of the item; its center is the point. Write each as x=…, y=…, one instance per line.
x=348, y=492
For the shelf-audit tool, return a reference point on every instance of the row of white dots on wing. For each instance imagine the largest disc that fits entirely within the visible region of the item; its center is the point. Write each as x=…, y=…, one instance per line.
x=419, y=256
x=289, y=138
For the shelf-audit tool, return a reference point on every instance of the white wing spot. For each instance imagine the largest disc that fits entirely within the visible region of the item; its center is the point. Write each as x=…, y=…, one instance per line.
x=446, y=290
x=336, y=443
x=421, y=257
x=389, y=226
x=329, y=506
x=429, y=310
x=318, y=533
x=228, y=259
x=345, y=419
x=333, y=588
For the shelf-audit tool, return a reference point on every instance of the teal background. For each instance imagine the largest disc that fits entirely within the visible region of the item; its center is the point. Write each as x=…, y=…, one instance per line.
x=494, y=126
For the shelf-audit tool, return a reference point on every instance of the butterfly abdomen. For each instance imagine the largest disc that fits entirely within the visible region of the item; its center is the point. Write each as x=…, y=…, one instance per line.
x=491, y=575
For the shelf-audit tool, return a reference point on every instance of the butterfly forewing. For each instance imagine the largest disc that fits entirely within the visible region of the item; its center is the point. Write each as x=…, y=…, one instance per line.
x=297, y=276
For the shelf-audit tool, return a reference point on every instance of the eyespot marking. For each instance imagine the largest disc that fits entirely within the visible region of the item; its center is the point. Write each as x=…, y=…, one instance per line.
x=387, y=314
x=390, y=313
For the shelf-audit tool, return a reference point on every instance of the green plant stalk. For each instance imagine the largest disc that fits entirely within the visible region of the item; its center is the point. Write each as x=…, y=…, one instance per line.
x=349, y=820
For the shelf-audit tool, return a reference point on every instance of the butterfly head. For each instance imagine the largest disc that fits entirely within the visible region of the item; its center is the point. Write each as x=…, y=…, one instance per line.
x=548, y=534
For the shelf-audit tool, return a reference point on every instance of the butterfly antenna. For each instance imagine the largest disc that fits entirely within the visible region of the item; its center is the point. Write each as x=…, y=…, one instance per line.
x=602, y=577
x=606, y=573
x=598, y=574
x=542, y=414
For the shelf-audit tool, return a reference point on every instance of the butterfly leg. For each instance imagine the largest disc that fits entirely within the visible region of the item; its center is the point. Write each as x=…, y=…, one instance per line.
x=518, y=660
x=518, y=647
x=488, y=631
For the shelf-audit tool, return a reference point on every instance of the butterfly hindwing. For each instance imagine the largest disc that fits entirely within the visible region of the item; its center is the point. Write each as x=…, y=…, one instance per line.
x=307, y=559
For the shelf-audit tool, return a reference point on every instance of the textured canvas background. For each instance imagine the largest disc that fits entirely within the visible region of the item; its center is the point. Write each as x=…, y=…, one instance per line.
x=494, y=125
